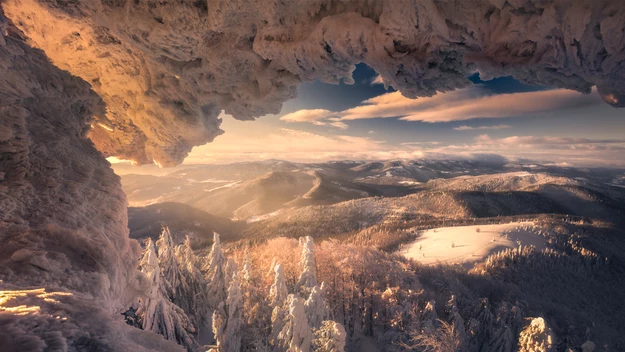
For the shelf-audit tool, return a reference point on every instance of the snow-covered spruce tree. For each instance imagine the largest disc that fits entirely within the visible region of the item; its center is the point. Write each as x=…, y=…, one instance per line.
x=536, y=337
x=278, y=292
x=278, y=295
x=215, y=269
x=502, y=340
x=256, y=310
x=194, y=299
x=296, y=335
x=429, y=318
x=228, y=319
x=169, y=264
x=509, y=322
x=456, y=319
x=329, y=337
x=231, y=269
x=316, y=307
x=444, y=338
x=308, y=278
x=480, y=327
x=156, y=312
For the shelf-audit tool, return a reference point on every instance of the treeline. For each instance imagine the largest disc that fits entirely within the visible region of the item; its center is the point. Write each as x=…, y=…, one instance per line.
x=292, y=295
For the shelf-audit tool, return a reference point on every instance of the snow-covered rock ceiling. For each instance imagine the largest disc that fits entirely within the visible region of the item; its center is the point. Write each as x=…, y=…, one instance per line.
x=165, y=70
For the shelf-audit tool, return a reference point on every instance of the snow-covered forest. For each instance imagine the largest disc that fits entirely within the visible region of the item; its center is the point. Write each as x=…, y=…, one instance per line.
x=297, y=295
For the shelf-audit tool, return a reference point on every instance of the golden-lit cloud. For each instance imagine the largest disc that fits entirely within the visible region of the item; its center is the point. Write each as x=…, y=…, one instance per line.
x=466, y=104
x=308, y=115
x=319, y=117
x=377, y=80
x=459, y=105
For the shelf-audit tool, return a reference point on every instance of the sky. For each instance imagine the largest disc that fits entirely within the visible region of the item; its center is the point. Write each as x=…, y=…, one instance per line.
x=368, y=121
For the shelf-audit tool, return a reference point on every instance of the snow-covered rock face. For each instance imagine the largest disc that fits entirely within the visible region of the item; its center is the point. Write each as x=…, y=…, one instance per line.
x=63, y=220
x=165, y=71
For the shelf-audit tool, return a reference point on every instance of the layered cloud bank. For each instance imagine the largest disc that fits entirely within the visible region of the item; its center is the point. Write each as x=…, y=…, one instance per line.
x=166, y=72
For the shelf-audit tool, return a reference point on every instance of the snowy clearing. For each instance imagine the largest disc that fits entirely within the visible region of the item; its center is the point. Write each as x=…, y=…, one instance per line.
x=465, y=245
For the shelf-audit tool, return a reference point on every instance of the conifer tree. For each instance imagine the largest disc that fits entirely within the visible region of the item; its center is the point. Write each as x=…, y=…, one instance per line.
x=316, y=306
x=168, y=263
x=216, y=274
x=278, y=295
x=503, y=340
x=456, y=319
x=536, y=337
x=308, y=278
x=228, y=319
x=193, y=297
x=296, y=335
x=330, y=337
x=156, y=312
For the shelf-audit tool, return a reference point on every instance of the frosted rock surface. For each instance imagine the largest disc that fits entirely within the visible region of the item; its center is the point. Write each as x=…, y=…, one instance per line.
x=166, y=71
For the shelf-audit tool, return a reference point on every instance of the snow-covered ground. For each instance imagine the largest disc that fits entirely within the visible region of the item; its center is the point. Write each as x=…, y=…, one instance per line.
x=465, y=245
x=252, y=219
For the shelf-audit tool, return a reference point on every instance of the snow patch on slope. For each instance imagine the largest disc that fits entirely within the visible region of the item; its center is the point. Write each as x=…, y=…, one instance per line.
x=466, y=246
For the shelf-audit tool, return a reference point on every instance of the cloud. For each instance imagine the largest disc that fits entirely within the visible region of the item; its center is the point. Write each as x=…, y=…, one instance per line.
x=377, y=80
x=420, y=143
x=467, y=104
x=308, y=115
x=471, y=128
x=464, y=104
x=545, y=149
x=338, y=124
x=319, y=117
x=546, y=140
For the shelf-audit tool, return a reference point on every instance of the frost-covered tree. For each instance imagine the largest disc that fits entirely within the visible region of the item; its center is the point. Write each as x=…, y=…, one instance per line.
x=503, y=340
x=443, y=339
x=536, y=337
x=296, y=335
x=480, y=327
x=588, y=346
x=215, y=269
x=256, y=309
x=456, y=319
x=316, y=306
x=193, y=297
x=308, y=278
x=429, y=318
x=278, y=294
x=156, y=312
x=329, y=337
x=169, y=264
x=246, y=270
x=228, y=319
x=231, y=269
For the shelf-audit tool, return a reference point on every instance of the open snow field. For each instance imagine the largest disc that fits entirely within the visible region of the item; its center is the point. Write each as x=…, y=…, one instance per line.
x=465, y=245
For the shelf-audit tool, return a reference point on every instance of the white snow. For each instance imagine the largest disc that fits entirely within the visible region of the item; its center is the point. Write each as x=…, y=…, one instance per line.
x=471, y=247
x=409, y=183
x=252, y=219
x=228, y=185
